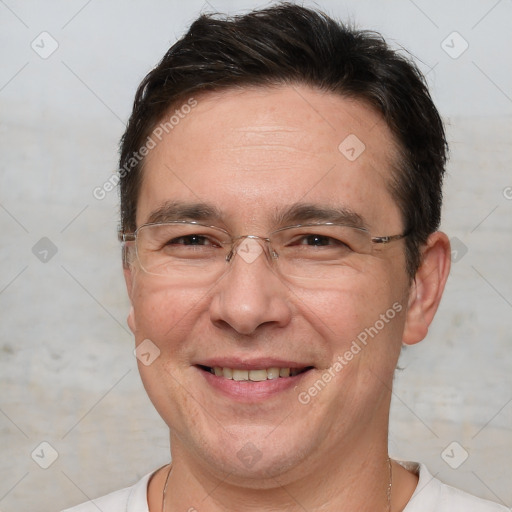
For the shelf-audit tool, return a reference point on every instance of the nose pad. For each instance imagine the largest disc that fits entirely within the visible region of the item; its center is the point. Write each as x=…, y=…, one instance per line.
x=250, y=247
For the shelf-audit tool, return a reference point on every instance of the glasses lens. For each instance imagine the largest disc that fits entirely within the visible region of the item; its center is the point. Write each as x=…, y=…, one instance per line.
x=186, y=251
x=321, y=251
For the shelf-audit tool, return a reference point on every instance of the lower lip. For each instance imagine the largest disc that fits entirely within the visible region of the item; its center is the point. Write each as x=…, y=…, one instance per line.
x=249, y=391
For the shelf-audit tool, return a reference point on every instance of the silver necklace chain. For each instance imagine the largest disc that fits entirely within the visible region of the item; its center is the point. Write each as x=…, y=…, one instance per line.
x=390, y=484
x=388, y=490
x=165, y=487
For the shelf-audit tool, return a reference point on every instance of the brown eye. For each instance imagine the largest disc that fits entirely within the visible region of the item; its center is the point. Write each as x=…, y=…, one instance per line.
x=191, y=240
x=318, y=240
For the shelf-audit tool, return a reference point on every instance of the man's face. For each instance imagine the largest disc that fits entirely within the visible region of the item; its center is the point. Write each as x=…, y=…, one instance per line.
x=253, y=156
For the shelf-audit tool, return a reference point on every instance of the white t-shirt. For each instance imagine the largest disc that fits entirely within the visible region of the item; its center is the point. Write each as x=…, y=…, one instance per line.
x=431, y=495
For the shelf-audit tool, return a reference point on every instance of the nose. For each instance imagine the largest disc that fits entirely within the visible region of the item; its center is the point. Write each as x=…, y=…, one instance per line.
x=250, y=295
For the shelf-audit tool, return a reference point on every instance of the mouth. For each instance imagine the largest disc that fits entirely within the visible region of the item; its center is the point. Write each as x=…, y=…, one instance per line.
x=254, y=375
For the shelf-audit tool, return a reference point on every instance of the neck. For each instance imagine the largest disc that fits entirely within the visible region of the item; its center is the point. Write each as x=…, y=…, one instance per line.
x=353, y=479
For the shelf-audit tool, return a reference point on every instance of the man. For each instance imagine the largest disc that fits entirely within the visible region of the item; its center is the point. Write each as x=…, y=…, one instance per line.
x=280, y=186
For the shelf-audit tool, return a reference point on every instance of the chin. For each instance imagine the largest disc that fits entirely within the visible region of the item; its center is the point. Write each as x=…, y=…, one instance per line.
x=253, y=455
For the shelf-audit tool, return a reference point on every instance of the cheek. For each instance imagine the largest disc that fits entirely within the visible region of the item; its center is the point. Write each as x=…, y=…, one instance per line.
x=165, y=315
x=164, y=312
x=369, y=311
x=350, y=304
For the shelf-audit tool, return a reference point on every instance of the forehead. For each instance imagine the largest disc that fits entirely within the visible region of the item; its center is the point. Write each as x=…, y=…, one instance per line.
x=256, y=151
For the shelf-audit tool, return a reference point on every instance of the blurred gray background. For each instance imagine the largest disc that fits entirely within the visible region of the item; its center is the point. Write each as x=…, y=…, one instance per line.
x=68, y=73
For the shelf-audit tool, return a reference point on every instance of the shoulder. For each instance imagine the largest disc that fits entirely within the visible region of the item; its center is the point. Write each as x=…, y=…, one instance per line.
x=431, y=495
x=130, y=499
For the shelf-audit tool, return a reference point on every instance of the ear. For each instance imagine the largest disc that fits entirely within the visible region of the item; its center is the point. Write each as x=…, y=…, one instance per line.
x=129, y=279
x=427, y=288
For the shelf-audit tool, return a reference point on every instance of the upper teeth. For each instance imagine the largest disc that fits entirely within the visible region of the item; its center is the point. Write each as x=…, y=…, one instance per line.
x=254, y=375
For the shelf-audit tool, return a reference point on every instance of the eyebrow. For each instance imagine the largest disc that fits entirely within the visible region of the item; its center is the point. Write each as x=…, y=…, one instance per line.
x=307, y=212
x=176, y=210
x=298, y=213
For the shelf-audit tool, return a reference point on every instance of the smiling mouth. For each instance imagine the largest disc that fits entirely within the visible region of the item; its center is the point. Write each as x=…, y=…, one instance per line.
x=257, y=375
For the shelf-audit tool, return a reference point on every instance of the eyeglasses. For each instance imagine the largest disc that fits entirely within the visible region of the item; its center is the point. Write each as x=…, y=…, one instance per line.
x=191, y=252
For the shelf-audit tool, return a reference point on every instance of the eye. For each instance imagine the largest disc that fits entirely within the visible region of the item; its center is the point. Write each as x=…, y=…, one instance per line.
x=317, y=240
x=194, y=239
